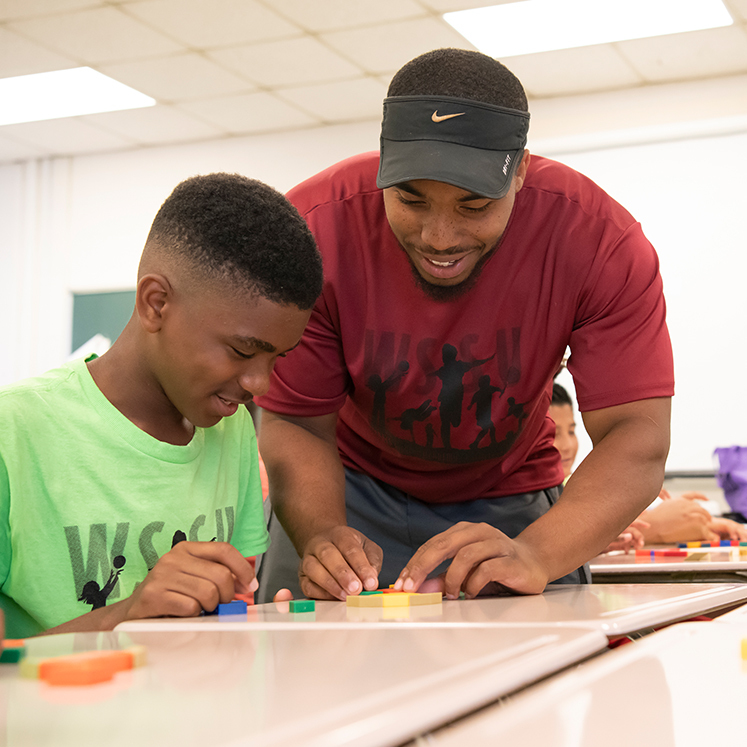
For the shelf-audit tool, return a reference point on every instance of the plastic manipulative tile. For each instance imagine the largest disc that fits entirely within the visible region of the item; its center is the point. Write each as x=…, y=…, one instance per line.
x=237, y=607
x=302, y=605
x=87, y=668
x=393, y=599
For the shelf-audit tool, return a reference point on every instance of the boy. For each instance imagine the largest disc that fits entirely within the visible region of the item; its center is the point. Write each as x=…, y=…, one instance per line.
x=125, y=477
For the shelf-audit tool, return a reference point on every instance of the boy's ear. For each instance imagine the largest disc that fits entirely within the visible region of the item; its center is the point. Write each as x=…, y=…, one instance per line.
x=153, y=294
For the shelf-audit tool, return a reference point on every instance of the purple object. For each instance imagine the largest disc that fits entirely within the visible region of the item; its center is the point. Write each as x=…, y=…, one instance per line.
x=732, y=476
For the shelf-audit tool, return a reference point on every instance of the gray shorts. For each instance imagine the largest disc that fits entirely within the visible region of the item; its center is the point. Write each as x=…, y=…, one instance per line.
x=400, y=524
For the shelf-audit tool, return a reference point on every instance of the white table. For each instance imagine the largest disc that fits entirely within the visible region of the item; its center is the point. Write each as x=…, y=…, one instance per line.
x=318, y=686
x=614, y=609
x=716, y=567
x=685, y=686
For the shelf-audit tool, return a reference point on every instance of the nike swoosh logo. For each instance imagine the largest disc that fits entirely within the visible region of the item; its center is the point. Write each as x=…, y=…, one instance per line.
x=436, y=118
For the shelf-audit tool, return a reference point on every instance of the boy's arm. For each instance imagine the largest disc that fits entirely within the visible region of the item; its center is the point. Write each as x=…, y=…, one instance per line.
x=620, y=477
x=308, y=496
x=191, y=577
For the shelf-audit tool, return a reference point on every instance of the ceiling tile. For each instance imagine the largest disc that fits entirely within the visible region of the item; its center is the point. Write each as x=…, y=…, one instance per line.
x=184, y=76
x=341, y=14
x=698, y=54
x=385, y=48
x=154, y=125
x=738, y=8
x=340, y=101
x=11, y=150
x=217, y=23
x=60, y=137
x=446, y=6
x=287, y=62
x=28, y=9
x=19, y=56
x=99, y=35
x=254, y=112
x=570, y=71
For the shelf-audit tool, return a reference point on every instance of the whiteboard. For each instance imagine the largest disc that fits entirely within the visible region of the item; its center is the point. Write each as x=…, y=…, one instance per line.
x=691, y=199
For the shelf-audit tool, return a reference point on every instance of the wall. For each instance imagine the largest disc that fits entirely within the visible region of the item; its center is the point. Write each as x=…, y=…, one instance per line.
x=78, y=225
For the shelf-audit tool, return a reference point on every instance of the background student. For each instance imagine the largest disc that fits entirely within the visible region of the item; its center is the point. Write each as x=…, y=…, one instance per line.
x=672, y=520
x=129, y=484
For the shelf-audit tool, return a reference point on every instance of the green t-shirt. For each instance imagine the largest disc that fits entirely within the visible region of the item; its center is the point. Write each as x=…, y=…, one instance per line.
x=89, y=502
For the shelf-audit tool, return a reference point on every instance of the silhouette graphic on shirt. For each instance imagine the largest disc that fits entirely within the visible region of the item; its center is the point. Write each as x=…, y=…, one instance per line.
x=452, y=389
x=482, y=399
x=93, y=594
x=412, y=415
x=178, y=537
x=441, y=415
x=380, y=388
x=516, y=409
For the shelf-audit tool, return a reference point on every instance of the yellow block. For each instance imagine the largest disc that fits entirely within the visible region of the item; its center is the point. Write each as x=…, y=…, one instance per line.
x=430, y=598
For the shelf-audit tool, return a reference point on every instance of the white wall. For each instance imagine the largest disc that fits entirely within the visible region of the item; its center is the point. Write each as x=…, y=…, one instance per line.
x=72, y=225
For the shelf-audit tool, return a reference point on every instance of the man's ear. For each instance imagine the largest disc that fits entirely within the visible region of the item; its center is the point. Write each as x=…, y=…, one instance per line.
x=521, y=172
x=152, y=298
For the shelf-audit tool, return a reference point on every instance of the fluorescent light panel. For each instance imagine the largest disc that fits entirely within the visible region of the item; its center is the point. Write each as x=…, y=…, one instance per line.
x=531, y=26
x=65, y=93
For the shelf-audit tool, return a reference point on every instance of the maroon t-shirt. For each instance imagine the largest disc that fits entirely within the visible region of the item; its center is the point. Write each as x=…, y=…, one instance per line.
x=449, y=401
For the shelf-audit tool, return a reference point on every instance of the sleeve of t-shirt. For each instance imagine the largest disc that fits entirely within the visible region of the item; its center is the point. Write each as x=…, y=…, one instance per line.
x=620, y=346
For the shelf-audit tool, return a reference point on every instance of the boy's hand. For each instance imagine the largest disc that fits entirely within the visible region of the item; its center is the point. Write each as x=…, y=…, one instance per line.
x=191, y=577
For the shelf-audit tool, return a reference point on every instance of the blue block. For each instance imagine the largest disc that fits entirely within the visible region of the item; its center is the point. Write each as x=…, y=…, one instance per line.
x=237, y=607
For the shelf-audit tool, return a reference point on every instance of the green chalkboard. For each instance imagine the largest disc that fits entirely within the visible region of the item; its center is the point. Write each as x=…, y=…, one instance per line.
x=100, y=313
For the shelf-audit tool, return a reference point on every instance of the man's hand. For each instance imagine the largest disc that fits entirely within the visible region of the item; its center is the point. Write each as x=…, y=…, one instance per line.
x=339, y=562
x=485, y=560
x=191, y=577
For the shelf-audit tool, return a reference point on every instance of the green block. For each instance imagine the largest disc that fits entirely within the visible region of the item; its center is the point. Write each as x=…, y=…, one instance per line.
x=368, y=593
x=12, y=655
x=301, y=605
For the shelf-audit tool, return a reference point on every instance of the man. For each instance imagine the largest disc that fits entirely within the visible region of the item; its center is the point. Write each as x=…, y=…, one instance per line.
x=457, y=272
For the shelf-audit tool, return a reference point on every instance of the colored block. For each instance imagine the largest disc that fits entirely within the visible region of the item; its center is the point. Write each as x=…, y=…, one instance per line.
x=85, y=668
x=744, y=649
x=697, y=556
x=368, y=593
x=394, y=599
x=433, y=597
x=236, y=607
x=89, y=668
x=302, y=605
x=11, y=654
x=370, y=600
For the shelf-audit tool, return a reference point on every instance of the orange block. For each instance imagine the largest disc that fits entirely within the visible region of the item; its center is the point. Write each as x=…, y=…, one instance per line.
x=87, y=668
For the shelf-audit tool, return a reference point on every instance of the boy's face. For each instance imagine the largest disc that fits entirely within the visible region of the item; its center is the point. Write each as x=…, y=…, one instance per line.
x=216, y=350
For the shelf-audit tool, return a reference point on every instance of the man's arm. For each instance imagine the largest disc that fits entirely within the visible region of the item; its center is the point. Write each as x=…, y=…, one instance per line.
x=616, y=481
x=307, y=488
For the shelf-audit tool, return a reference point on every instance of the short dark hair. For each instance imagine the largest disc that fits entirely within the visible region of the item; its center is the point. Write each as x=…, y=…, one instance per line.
x=560, y=396
x=461, y=73
x=237, y=230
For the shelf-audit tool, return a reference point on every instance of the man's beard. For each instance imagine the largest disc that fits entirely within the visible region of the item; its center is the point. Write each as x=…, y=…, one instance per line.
x=449, y=293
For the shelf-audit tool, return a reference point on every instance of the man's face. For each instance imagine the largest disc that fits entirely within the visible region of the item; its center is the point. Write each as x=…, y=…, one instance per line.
x=447, y=231
x=217, y=351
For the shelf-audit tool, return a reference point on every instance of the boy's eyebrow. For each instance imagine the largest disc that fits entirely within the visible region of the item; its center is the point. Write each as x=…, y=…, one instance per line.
x=255, y=342
x=407, y=187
